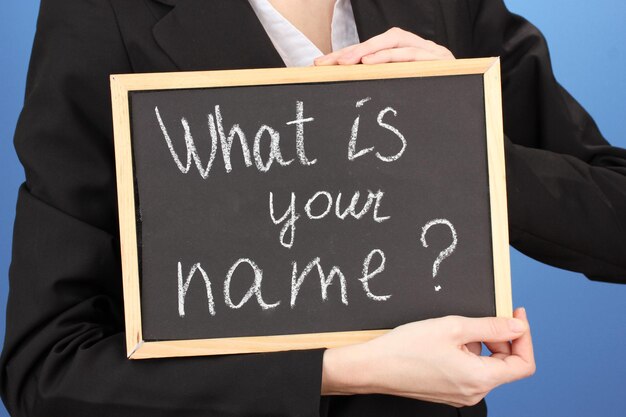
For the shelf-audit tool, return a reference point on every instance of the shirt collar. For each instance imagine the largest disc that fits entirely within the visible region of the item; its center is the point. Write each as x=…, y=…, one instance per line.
x=294, y=47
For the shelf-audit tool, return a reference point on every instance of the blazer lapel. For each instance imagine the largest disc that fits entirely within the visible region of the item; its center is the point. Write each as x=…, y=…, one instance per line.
x=226, y=34
x=374, y=17
x=215, y=34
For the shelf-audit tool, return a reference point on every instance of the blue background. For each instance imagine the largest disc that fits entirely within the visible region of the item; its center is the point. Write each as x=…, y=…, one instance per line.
x=579, y=327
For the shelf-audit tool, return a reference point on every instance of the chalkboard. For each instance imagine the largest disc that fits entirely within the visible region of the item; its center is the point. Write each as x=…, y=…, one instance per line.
x=279, y=209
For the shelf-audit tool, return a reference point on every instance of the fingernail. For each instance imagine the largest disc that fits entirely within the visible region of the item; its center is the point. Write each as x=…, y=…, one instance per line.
x=516, y=325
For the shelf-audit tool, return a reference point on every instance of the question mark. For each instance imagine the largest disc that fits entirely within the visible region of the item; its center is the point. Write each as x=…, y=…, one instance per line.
x=444, y=253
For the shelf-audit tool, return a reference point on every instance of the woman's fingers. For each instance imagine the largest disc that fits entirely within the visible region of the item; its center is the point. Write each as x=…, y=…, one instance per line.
x=331, y=58
x=488, y=329
x=407, y=54
x=474, y=347
x=499, y=348
x=393, y=38
x=395, y=45
x=520, y=363
x=509, y=362
x=522, y=347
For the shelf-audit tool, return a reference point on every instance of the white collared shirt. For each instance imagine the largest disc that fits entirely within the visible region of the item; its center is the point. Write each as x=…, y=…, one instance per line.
x=294, y=47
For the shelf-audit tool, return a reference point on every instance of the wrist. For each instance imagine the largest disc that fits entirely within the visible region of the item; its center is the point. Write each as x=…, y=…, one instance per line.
x=346, y=370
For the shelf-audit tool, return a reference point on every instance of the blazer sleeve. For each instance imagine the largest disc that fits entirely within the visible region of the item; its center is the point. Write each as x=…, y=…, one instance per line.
x=566, y=183
x=64, y=352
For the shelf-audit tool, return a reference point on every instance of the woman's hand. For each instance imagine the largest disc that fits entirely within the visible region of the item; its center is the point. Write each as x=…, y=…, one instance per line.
x=434, y=360
x=395, y=45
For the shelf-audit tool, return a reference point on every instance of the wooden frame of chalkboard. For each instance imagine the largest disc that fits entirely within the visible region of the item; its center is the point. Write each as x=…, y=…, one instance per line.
x=123, y=85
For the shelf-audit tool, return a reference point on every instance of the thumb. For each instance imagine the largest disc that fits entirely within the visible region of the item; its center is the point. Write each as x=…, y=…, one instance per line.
x=490, y=329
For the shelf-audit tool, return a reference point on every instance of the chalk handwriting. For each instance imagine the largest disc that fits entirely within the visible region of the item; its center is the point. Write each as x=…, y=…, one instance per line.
x=297, y=280
x=255, y=289
x=183, y=288
x=192, y=152
x=444, y=253
x=395, y=131
x=217, y=134
x=265, y=152
x=325, y=281
x=275, y=154
x=329, y=205
x=354, y=132
x=227, y=142
x=299, y=122
x=289, y=224
x=291, y=216
x=367, y=275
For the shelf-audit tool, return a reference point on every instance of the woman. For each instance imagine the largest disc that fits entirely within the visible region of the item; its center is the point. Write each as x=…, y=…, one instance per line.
x=64, y=350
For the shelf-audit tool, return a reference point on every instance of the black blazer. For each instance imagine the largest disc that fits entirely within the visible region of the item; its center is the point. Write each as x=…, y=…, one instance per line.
x=64, y=351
